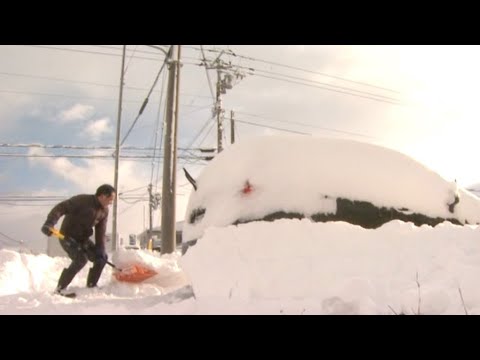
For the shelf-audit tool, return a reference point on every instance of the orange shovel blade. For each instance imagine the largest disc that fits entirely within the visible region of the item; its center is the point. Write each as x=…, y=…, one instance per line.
x=134, y=274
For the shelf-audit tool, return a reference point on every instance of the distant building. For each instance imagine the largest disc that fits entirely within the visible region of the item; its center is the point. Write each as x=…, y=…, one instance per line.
x=109, y=242
x=133, y=242
x=143, y=238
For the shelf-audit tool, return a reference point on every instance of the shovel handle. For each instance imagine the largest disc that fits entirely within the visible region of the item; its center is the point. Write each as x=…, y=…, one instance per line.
x=113, y=266
x=59, y=235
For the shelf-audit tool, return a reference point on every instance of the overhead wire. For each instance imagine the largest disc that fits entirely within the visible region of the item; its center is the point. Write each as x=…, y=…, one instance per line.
x=272, y=127
x=258, y=70
x=148, y=95
x=396, y=102
x=11, y=239
x=135, y=189
x=86, y=51
x=208, y=132
x=262, y=61
x=164, y=124
x=86, y=83
x=130, y=59
x=326, y=84
x=157, y=128
x=75, y=147
x=298, y=69
x=304, y=124
x=100, y=157
x=208, y=75
x=285, y=80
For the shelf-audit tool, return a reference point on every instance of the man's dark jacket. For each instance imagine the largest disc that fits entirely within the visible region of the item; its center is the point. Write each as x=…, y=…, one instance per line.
x=82, y=212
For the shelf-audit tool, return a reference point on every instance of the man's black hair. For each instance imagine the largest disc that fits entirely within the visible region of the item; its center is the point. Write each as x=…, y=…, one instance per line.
x=105, y=189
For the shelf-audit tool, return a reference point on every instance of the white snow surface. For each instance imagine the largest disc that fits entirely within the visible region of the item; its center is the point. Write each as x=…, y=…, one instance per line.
x=306, y=174
x=285, y=266
x=282, y=267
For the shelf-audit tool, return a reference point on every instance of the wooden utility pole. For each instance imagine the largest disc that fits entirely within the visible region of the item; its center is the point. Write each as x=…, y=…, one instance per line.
x=150, y=208
x=226, y=75
x=117, y=154
x=232, y=128
x=219, y=111
x=170, y=155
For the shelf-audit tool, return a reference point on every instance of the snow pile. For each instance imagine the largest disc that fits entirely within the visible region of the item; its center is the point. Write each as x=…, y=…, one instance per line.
x=338, y=266
x=259, y=176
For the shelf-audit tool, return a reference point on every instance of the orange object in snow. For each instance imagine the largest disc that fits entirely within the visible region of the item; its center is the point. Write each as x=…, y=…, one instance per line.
x=134, y=274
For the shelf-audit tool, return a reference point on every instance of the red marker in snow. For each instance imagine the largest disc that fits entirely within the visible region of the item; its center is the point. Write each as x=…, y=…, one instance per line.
x=247, y=188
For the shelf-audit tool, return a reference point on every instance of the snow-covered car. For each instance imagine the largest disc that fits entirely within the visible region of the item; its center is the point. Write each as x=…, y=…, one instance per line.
x=323, y=179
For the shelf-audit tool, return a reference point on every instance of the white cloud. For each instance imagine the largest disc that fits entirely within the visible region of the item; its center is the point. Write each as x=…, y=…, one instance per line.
x=80, y=176
x=97, y=128
x=76, y=112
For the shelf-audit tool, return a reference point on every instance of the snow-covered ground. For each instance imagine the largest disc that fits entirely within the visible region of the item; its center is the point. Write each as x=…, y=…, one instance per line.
x=283, y=267
x=286, y=266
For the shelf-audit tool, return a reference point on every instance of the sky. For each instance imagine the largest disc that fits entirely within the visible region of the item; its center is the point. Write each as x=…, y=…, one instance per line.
x=419, y=100
x=285, y=267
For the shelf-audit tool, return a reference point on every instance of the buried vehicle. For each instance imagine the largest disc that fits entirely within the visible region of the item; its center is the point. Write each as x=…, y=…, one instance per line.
x=323, y=179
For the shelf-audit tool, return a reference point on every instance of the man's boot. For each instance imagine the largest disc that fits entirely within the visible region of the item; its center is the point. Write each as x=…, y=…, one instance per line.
x=66, y=278
x=93, y=276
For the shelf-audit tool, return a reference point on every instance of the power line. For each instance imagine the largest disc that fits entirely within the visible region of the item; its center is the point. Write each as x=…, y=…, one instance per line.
x=108, y=157
x=75, y=147
x=87, y=52
x=271, y=127
x=86, y=83
x=83, y=82
x=326, y=84
x=208, y=76
x=395, y=102
x=125, y=191
x=157, y=128
x=12, y=239
x=321, y=85
x=286, y=66
x=130, y=59
x=266, y=72
x=295, y=68
x=37, y=197
x=308, y=125
x=95, y=98
x=145, y=102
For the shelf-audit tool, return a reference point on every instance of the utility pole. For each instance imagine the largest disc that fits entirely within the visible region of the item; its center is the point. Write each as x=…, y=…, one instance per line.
x=117, y=154
x=153, y=201
x=226, y=74
x=170, y=155
x=219, y=111
x=150, y=207
x=232, y=128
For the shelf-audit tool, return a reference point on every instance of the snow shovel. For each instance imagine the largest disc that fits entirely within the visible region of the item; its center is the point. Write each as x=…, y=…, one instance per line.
x=134, y=273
